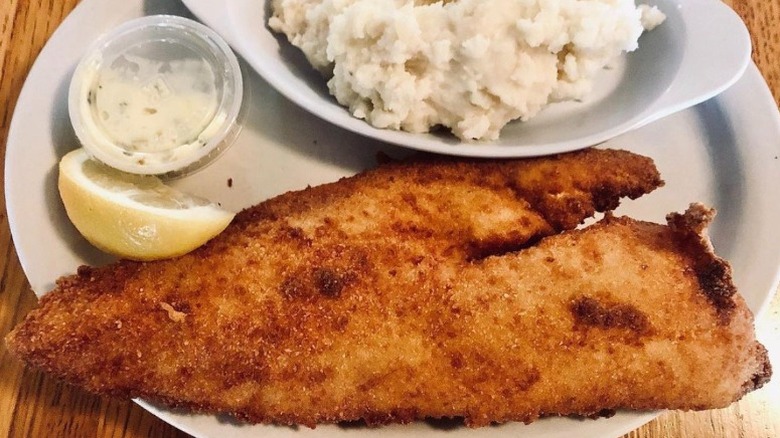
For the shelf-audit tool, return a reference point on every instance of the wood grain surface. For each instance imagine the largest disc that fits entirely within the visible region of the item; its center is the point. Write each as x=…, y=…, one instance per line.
x=33, y=405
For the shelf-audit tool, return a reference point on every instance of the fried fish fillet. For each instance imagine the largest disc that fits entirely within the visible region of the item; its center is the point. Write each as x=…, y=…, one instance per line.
x=419, y=289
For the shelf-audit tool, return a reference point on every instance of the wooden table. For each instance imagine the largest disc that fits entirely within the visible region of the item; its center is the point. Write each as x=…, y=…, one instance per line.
x=32, y=404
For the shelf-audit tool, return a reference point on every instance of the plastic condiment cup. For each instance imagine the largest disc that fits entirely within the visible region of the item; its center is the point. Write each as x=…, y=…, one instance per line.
x=171, y=48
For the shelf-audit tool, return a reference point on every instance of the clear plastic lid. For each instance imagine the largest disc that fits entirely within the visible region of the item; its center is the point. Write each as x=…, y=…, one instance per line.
x=158, y=95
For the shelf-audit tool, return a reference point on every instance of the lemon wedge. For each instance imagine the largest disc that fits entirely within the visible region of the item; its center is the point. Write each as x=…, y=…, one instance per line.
x=134, y=216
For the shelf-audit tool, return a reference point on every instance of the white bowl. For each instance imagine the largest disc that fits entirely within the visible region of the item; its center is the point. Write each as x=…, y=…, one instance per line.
x=700, y=50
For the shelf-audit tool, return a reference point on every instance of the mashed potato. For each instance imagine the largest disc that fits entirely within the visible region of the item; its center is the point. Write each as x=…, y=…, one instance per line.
x=470, y=65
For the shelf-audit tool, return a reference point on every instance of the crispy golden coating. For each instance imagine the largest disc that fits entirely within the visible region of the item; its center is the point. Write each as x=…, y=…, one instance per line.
x=392, y=296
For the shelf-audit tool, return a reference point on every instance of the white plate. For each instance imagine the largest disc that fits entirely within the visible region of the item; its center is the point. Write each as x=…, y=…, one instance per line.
x=724, y=153
x=701, y=49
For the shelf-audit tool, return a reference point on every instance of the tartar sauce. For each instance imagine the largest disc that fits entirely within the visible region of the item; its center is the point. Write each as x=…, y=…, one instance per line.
x=140, y=105
x=160, y=95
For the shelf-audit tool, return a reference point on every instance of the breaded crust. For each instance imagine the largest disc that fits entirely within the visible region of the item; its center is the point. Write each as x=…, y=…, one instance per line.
x=420, y=289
